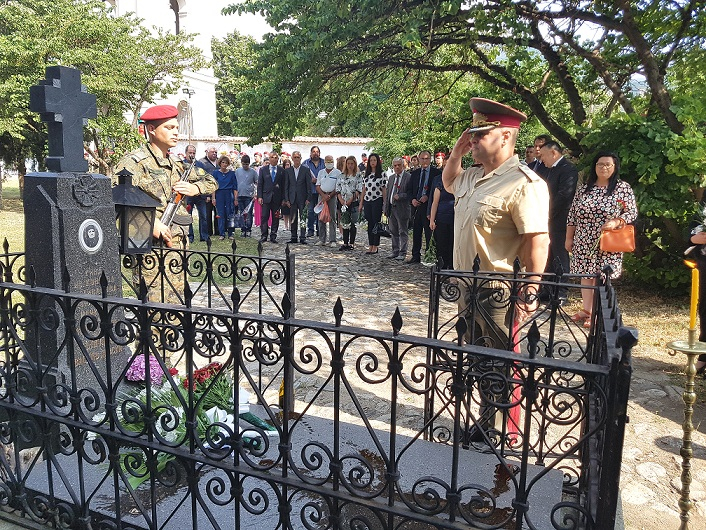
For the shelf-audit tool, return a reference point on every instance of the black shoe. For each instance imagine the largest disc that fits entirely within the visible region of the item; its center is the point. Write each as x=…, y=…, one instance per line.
x=263, y=240
x=293, y=241
x=476, y=435
x=414, y=260
x=273, y=240
x=303, y=242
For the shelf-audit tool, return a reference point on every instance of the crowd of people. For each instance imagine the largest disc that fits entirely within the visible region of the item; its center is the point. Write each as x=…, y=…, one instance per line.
x=325, y=201
x=495, y=208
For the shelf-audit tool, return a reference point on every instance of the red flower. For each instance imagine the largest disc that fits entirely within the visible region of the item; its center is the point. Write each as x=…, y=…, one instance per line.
x=173, y=371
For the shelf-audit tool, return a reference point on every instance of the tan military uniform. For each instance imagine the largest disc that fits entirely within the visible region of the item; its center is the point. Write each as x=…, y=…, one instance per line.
x=156, y=175
x=492, y=211
x=491, y=214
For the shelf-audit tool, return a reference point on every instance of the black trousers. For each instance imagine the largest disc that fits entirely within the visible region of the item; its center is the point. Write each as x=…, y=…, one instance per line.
x=420, y=224
x=267, y=209
x=444, y=237
x=558, y=254
x=210, y=216
x=373, y=214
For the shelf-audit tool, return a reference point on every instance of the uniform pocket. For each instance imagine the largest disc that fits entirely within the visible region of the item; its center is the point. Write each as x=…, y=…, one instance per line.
x=488, y=210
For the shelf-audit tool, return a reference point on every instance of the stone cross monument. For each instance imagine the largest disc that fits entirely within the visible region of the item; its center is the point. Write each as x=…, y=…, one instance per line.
x=69, y=213
x=70, y=232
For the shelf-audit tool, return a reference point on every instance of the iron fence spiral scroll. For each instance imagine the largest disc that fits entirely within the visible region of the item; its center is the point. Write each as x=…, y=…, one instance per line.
x=97, y=448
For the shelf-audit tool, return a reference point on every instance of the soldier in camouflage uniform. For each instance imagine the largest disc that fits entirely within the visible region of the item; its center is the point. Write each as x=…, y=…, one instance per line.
x=157, y=174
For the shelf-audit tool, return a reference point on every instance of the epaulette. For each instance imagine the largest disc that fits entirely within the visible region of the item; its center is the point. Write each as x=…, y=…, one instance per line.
x=531, y=175
x=138, y=156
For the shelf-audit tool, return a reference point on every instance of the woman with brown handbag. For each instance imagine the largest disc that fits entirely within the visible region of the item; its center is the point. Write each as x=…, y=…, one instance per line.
x=604, y=203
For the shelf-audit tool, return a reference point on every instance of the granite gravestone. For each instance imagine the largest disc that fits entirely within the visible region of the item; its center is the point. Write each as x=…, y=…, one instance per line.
x=70, y=230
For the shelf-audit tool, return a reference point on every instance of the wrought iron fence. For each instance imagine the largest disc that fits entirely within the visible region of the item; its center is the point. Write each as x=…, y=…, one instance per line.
x=199, y=278
x=232, y=281
x=114, y=416
x=550, y=332
x=12, y=264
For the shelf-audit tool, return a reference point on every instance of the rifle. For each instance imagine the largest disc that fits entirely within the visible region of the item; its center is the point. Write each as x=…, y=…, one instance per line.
x=175, y=199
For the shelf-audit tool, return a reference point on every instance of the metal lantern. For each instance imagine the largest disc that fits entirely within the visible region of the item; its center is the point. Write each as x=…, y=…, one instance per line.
x=134, y=215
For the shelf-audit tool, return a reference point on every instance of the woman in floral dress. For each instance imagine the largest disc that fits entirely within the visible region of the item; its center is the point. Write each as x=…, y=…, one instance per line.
x=604, y=202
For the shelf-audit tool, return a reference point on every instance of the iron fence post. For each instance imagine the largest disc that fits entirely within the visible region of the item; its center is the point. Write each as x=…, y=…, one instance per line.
x=617, y=418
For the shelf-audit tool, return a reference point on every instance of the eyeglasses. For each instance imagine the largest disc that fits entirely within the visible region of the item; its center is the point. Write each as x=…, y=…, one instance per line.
x=605, y=166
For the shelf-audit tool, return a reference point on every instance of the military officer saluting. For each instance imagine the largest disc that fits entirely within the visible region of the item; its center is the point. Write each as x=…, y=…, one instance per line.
x=158, y=175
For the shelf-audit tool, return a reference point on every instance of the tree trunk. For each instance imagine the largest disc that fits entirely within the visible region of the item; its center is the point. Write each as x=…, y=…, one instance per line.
x=652, y=70
x=21, y=172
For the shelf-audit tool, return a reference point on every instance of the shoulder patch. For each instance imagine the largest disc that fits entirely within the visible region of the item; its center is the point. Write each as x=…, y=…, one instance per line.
x=531, y=175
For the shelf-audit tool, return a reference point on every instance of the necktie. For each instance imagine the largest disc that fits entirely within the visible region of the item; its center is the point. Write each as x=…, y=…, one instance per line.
x=422, y=182
x=274, y=173
x=394, y=189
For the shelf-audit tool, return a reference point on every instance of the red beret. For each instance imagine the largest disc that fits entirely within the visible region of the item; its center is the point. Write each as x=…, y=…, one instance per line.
x=257, y=154
x=488, y=114
x=442, y=155
x=160, y=112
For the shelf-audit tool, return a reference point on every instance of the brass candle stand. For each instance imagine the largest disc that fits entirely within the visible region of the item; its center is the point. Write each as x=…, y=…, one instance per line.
x=692, y=348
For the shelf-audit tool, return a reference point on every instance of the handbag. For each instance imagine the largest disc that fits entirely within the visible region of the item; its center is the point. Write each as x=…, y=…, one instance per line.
x=381, y=229
x=618, y=239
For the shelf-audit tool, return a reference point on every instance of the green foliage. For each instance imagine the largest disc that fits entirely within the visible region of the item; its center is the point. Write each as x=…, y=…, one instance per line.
x=122, y=63
x=592, y=74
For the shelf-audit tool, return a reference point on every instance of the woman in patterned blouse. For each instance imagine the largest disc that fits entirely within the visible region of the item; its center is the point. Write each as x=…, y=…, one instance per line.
x=372, y=197
x=348, y=188
x=604, y=202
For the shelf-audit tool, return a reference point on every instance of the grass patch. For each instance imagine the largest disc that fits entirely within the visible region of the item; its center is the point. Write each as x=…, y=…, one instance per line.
x=12, y=217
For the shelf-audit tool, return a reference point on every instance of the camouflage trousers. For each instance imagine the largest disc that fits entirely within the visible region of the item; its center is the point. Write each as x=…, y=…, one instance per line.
x=163, y=270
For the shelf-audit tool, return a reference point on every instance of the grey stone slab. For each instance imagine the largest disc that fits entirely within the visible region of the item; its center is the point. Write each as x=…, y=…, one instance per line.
x=423, y=466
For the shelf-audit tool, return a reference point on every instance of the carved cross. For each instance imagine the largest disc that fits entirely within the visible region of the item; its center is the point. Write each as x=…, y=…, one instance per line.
x=64, y=104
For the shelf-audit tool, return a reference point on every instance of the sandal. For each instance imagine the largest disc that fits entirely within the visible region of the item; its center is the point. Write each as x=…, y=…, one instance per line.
x=581, y=316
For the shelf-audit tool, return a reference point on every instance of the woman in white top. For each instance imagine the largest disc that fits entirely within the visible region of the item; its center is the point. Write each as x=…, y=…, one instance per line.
x=348, y=189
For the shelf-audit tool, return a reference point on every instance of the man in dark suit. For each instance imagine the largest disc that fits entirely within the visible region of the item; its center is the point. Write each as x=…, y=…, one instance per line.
x=537, y=166
x=208, y=164
x=297, y=182
x=397, y=208
x=422, y=177
x=561, y=178
x=270, y=192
